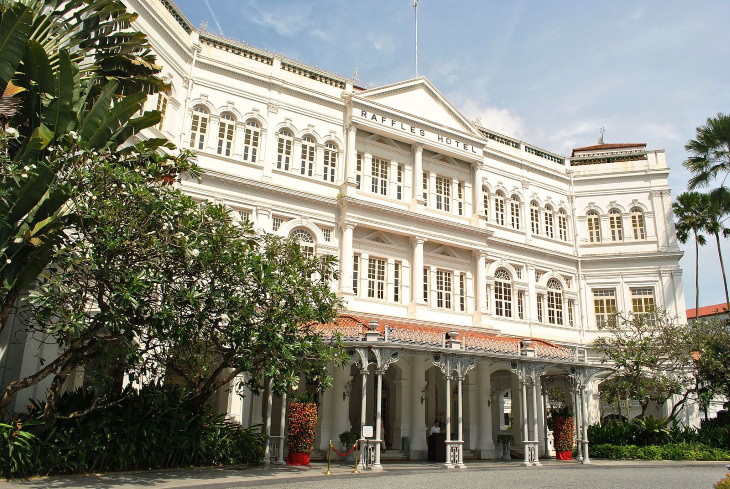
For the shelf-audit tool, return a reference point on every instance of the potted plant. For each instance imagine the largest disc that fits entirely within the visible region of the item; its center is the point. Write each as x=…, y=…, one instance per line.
x=506, y=440
x=563, y=432
x=302, y=421
x=348, y=440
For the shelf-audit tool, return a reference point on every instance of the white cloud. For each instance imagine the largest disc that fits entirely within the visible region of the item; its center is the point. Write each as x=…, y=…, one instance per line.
x=286, y=21
x=495, y=118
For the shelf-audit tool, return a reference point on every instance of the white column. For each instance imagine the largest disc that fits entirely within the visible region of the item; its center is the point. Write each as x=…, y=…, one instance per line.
x=346, y=257
x=378, y=418
x=417, y=270
x=267, y=418
x=418, y=410
x=363, y=414
x=584, y=423
x=460, y=420
x=448, y=412
x=481, y=280
x=577, y=416
x=525, y=423
x=351, y=155
x=282, y=430
x=486, y=406
x=418, y=174
x=477, y=192
x=535, y=427
x=263, y=219
x=341, y=411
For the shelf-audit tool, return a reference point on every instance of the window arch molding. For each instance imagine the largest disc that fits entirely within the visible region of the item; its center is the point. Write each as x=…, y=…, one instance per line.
x=299, y=223
x=228, y=109
x=542, y=284
x=494, y=266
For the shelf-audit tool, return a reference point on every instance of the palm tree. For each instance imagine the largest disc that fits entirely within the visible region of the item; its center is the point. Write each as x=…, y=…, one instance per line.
x=710, y=157
x=690, y=210
x=716, y=216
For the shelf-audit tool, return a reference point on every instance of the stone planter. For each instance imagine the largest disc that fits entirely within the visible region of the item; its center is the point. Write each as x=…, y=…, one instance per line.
x=297, y=458
x=564, y=454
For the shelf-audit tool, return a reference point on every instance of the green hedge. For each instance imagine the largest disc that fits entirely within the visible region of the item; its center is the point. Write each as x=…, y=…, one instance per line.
x=149, y=429
x=673, y=451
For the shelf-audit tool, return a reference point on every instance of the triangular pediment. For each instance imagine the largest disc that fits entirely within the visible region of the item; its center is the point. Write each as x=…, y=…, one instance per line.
x=445, y=251
x=378, y=237
x=419, y=98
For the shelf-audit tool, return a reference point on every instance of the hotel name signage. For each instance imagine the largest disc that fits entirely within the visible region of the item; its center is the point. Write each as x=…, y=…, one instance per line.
x=394, y=123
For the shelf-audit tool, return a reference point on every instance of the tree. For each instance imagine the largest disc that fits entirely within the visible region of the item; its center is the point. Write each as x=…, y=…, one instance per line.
x=710, y=157
x=156, y=286
x=716, y=216
x=66, y=66
x=710, y=339
x=691, y=211
x=652, y=360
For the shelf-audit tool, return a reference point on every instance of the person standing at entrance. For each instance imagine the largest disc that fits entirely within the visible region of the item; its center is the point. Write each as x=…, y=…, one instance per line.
x=436, y=428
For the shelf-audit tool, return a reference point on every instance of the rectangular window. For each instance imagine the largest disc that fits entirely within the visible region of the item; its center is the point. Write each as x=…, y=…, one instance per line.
x=642, y=302
x=307, y=166
x=162, y=99
x=521, y=305
x=226, y=126
x=460, y=198
x=244, y=216
x=425, y=187
x=251, y=138
x=499, y=210
x=548, y=222
x=443, y=289
x=539, y=308
x=426, y=285
x=462, y=292
x=534, y=218
x=276, y=223
x=396, y=282
x=358, y=169
x=485, y=199
x=604, y=306
x=330, y=162
x=562, y=226
x=284, y=151
x=570, y=313
x=376, y=278
x=443, y=194
x=327, y=233
x=379, y=176
x=399, y=183
x=555, y=307
x=355, y=273
x=514, y=209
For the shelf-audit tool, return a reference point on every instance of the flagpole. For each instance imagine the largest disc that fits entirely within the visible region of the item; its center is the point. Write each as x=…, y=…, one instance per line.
x=415, y=8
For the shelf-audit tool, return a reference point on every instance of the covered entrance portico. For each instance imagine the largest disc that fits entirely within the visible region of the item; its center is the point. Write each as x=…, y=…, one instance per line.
x=403, y=376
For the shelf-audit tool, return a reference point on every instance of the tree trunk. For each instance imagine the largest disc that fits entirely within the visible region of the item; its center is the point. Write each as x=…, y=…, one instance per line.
x=697, y=276
x=722, y=267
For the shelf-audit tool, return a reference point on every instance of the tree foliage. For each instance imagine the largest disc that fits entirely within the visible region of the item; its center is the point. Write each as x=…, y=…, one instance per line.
x=691, y=210
x=652, y=359
x=710, y=157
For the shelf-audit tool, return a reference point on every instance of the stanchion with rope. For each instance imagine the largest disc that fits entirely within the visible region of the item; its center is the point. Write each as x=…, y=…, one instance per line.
x=355, y=446
x=329, y=456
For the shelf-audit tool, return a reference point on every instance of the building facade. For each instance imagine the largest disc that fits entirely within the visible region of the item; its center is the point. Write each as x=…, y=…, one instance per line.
x=476, y=269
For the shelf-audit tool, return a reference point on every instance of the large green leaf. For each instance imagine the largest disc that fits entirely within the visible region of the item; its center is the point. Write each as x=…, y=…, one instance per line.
x=58, y=116
x=115, y=120
x=92, y=124
x=37, y=67
x=15, y=27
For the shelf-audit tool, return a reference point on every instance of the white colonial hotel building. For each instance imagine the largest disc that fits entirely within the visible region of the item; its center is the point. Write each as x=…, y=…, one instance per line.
x=475, y=268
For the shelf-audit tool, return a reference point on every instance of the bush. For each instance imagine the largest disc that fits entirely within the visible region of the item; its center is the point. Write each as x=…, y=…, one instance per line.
x=16, y=451
x=148, y=429
x=674, y=451
x=715, y=432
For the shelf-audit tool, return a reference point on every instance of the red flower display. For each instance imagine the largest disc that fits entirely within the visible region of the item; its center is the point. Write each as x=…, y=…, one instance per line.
x=563, y=432
x=302, y=426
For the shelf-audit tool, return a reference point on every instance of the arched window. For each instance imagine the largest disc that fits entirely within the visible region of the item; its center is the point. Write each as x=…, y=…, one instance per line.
x=554, y=302
x=549, y=221
x=502, y=293
x=330, y=161
x=562, y=225
x=614, y=223
x=198, y=127
x=251, y=138
x=308, y=150
x=637, y=223
x=593, y=222
x=226, y=127
x=534, y=217
x=499, y=208
x=514, y=209
x=305, y=240
x=283, y=152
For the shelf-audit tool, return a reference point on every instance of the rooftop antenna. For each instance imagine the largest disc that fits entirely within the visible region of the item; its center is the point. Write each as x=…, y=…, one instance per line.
x=602, y=131
x=415, y=9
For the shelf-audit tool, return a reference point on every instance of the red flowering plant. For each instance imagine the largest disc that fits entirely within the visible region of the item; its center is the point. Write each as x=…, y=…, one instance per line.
x=563, y=428
x=302, y=426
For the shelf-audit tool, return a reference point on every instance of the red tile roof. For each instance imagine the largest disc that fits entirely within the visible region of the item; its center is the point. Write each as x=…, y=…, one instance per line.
x=707, y=311
x=607, y=146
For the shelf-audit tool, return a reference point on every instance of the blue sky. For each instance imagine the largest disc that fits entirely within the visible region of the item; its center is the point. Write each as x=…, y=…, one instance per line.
x=549, y=72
